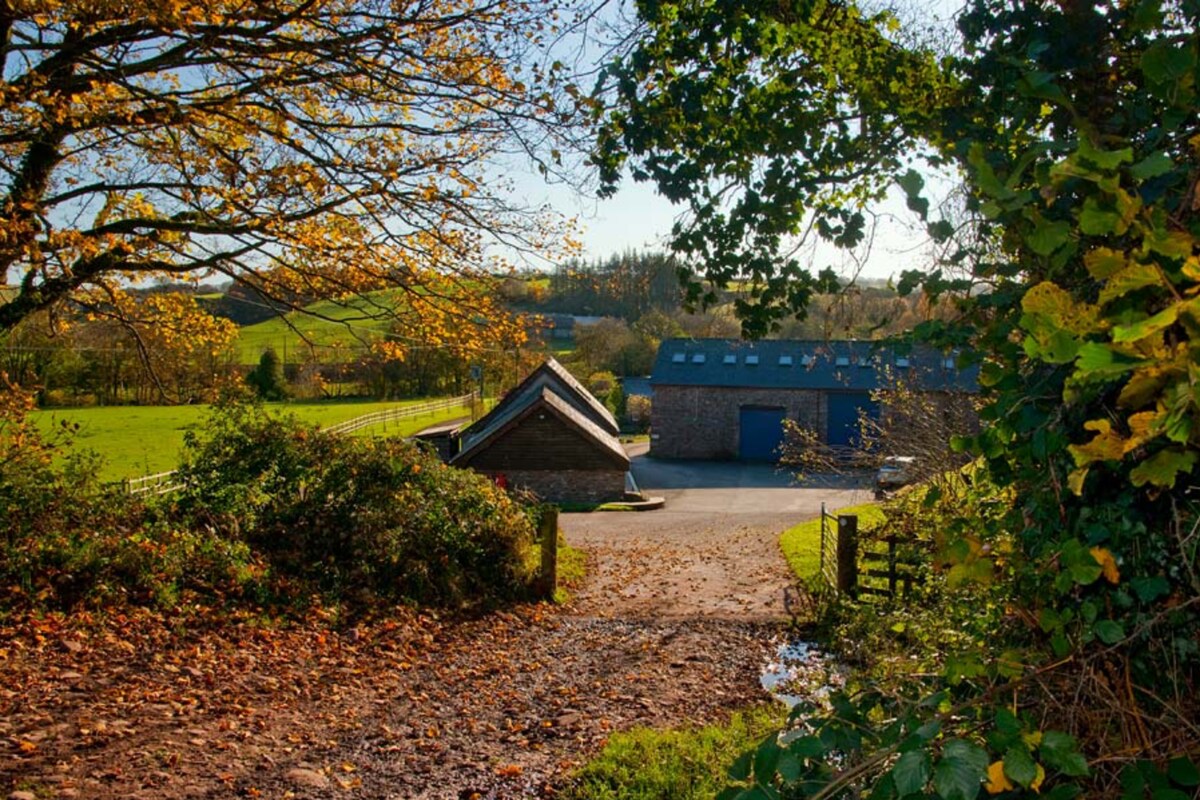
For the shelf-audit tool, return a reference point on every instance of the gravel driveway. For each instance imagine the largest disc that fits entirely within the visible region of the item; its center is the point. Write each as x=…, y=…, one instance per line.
x=713, y=551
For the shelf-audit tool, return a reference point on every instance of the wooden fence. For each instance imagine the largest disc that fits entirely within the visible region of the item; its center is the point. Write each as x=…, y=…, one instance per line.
x=840, y=560
x=166, y=482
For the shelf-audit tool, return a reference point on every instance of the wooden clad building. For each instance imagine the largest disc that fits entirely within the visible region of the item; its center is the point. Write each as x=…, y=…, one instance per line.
x=552, y=437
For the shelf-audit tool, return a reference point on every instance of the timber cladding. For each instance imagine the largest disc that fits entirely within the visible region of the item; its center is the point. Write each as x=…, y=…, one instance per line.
x=542, y=441
x=703, y=421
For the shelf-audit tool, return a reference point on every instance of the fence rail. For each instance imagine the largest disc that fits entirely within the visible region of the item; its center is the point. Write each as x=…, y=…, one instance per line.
x=165, y=482
x=840, y=559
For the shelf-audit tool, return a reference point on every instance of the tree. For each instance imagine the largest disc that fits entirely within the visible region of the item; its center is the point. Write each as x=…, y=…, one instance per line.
x=304, y=150
x=267, y=378
x=1073, y=268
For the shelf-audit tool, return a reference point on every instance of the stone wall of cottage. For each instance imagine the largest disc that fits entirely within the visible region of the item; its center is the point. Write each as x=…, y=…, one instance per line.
x=567, y=486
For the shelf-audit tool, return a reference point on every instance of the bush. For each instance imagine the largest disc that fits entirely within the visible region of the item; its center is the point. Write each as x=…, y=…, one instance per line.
x=356, y=520
x=273, y=513
x=68, y=541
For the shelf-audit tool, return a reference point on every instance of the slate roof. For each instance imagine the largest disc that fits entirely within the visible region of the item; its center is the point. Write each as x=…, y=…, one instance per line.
x=555, y=375
x=480, y=436
x=804, y=364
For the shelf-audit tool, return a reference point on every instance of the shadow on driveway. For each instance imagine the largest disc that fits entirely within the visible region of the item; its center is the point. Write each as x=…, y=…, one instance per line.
x=654, y=474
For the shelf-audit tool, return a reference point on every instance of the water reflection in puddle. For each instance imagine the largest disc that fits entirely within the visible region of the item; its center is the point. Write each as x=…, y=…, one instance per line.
x=799, y=671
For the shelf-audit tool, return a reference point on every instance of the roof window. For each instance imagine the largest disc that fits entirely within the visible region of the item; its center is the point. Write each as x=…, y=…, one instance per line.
x=730, y=358
x=902, y=362
x=785, y=361
x=864, y=361
x=842, y=361
x=949, y=363
x=678, y=358
x=698, y=358
x=751, y=360
x=806, y=360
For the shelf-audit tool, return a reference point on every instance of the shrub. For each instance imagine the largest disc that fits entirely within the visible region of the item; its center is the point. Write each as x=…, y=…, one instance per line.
x=68, y=541
x=357, y=520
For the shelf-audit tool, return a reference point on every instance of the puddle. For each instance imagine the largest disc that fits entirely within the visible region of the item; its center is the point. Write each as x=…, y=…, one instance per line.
x=799, y=671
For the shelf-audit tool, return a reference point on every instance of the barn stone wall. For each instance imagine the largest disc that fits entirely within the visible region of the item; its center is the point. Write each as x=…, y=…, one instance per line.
x=703, y=421
x=567, y=486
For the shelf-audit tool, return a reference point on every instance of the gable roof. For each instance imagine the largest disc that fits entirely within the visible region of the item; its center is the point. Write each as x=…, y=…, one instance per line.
x=806, y=364
x=531, y=401
x=554, y=375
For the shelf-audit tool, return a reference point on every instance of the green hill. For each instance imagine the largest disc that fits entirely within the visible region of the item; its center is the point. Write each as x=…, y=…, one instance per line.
x=329, y=325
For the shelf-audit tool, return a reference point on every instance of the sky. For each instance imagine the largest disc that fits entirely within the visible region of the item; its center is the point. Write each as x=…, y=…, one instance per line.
x=637, y=218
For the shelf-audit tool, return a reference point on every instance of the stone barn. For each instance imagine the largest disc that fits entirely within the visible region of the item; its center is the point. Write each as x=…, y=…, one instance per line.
x=551, y=436
x=728, y=399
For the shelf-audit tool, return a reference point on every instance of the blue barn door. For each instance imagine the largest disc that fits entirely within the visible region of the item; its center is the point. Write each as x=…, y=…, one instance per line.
x=760, y=432
x=843, y=416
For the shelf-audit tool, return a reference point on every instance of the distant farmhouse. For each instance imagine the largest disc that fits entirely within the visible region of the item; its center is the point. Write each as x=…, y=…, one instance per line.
x=725, y=399
x=551, y=436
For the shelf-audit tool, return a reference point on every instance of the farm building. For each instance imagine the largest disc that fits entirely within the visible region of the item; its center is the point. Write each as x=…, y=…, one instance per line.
x=551, y=436
x=725, y=399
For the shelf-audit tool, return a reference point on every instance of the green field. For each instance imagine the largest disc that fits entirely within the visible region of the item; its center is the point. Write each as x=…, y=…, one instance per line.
x=138, y=440
x=348, y=324
x=801, y=544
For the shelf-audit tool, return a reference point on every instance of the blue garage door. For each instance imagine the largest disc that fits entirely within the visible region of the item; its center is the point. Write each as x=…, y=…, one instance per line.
x=843, y=416
x=760, y=433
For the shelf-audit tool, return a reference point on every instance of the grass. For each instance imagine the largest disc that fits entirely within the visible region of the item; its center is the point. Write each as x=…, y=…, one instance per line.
x=138, y=440
x=801, y=544
x=680, y=764
x=329, y=324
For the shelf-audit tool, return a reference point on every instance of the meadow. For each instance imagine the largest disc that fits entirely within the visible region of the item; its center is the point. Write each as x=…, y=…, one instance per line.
x=330, y=325
x=139, y=440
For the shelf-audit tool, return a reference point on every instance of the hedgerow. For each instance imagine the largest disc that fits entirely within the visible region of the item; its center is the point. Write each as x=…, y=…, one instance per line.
x=272, y=515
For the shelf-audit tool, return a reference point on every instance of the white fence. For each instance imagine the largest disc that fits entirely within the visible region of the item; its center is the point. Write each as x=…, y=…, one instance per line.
x=166, y=482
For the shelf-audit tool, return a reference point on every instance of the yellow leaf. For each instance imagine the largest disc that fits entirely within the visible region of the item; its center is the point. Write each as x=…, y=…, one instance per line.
x=1036, y=783
x=997, y=781
x=1108, y=564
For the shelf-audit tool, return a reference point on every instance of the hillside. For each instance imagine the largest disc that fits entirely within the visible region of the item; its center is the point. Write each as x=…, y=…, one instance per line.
x=327, y=324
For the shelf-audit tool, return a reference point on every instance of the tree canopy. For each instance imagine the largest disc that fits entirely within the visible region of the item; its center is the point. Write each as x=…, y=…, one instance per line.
x=308, y=149
x=1073, y=266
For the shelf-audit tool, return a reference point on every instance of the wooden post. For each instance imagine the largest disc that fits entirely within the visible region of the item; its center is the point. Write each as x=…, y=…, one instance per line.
x=548, y=534
x=891, y=543
x=847, y=554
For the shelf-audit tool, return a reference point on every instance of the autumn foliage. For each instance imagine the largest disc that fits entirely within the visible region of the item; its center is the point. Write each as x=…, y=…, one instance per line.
x=305, y=150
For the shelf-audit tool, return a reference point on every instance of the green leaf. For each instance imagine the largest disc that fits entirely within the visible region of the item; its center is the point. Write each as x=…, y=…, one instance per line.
x=1048, y=236
x=1147, y=327
x=1149, y=589
x=1103, y=262
x=1164, y=62
x=740, y=769
x=790, y=767
x=1162, y=468
x=1109, y=631
x=911, y=182
x=1184, y=772
x=1060, y=751
x=1019, y=766
x=1152, y=166
x=1105, y=159
x=911, y=772
x=960, y=772
x=1135, y=276
x=1097, y=221
x=765, y=760
x=1100, y=360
